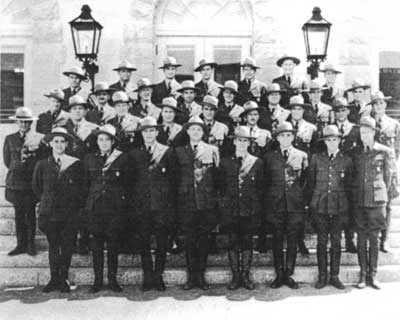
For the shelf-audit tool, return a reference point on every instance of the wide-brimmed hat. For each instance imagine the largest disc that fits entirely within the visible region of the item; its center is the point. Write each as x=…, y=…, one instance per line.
x=170, y=102
x=330, y=131
x=78, y=71
x=57, y=132
x=143, y=83
x=284, y=58
x=232, y=86
x=297, y=101
x=241, y=132
x=169, y=62
x=250, y=62
x=274, y=87
x=248, y=107
x=195, y=120
x=315, y=86
x=330, y=67
x=285, y=126
x=188, y=85
x=125, y=64
x=203, y=63
x=119, y=96
x=102, y=86
x=56, y=94
x=23, y=114
x=340, y=103
x=368, y=122
x=378, y=95
x=210, y=101
x=77, y=100
x=357, y=84
x=148, y=122
x=107, y=129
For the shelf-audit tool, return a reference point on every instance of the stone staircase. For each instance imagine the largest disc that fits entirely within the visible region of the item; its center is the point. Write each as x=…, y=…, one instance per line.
x=24, y=270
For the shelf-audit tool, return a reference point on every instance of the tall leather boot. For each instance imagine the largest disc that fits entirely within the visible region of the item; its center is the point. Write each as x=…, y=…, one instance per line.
x=362, y=260
x=277, y=249
x=65, y=258
x=349, y=243
x=373, y=254
x=21, y=244
x=54, y=282
x=291, y=253
x=98, y=266
x=31, y=248
x=112, y=265
x=234, y=263
x=202, y=254
x=161, y=255
x=322, y=258
x=191, y=270
x=147, y=266
x=335, y=267
x=246, y=259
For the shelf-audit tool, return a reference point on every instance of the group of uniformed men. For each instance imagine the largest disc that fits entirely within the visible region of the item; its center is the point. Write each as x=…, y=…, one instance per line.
x=185, y=158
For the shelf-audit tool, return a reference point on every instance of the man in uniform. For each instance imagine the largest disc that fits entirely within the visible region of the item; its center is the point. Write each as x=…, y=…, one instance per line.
x=389, y=135
x=240, y=189
x=320, y=113
x=169, y=86
x=329, y=180
x=293, y=85
x=144, y=107
x=124, y=69
x=169, y=128
x=101, y=111
x=274, y=114
x=152, y=200
x=55, y=116
x=189, y=107
x=250, y=88
x=359, y=108
x=196, y=164
x=58, y=181
x=331, y=90
x=374, y=165
x=75, y=77
x=284, y=176
x=206, y=69
x=21, y=151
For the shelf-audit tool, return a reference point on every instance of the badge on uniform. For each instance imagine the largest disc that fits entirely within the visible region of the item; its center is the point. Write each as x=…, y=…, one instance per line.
x=342, y=174
x=117, y=173
x=163, y=170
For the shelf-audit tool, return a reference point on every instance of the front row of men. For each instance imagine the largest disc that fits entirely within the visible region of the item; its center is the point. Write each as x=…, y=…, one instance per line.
x=153, y=187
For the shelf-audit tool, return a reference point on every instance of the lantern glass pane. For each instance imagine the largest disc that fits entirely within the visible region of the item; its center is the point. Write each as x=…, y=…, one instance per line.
x=84, y=40
x=317, y=40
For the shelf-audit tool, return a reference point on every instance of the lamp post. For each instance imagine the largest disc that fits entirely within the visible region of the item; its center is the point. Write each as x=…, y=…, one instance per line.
x=86, y=34
x=316, y=36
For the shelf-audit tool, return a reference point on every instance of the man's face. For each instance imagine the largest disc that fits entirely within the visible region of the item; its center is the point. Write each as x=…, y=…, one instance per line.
x=125, y=75
x=168, y=114
x=54, y=104
x=170, y=72
x=105, y=142
x=58, y=144
x=149, y=135
x=228, y=96
x=315, y=96
x=241, y=144
x=121, y=108
x=206, y=72
x=24, y=126
x=188, y=95
x=102, y=97
x=288, y=66
x=380, y=107
x=297, y=113
x=332, y=143
x=249, y=72
x=252, y=117
x=274, y=98
x=330, y=76
x=77, y=112
x=195, y=132
x=367, y=135
x=359, y=94
x=208, y=113
x=341, y=114
x=74, y=80
x=285, y=139
x=145, y=93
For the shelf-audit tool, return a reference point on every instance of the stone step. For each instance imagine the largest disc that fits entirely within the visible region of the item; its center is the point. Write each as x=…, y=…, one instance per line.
x=178, y=260
x=177, y=276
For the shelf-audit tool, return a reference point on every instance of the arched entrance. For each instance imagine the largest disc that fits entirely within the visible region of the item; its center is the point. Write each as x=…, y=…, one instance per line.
x=192, y=29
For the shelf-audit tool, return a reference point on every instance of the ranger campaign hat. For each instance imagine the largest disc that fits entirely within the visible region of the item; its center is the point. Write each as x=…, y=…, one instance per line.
x=169, y=62
x=148, y=122
x=377, y=96
x=340, y=103
x=330, y=67
x=232, y=86
x=119, y=96
x=170, y=102
x=248, y=107
x=284, y=126
x=143, y=83
x=107, y=129
x=250, y=62
x=78, y=71
x=210, y=101
x=56, y=94
x=77, y=100
x=297, y=101
x=125, y=65
x=242, y=132
x=23, y=114
x=315, y=86
x=188, y=85
x=102, y=86
x=357, y=84
x=203, y=63
x=57, y=132
x=368, y=122
x=285, y=57
x=195, y=120
x=330, y=131
x=274, y=87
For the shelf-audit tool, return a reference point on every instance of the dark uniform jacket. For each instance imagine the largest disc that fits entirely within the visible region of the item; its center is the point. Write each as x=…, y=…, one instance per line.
x=222, y=114
x=68, y=94
x=152, y=182
x=240, y=188
x=284, y=181
x=350, y=138
x=246, y=95
x=117, y=86
x=62, y=193
x=329, y=183
x=47, y=121
x=80, y=147
x=373, y=172
x=107, y=184
x=291, y=89
x=160, y=91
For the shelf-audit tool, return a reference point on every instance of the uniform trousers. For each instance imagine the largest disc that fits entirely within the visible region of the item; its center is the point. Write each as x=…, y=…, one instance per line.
x=112, y=240
x=240, y=244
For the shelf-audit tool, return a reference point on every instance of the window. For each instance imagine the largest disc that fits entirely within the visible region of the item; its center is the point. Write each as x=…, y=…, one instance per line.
x=184, y=55
x=12, y=84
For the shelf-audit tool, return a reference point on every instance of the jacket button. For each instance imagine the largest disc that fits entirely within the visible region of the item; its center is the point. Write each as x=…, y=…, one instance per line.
x=330, y=176
x=329, y=183
x=329, y=191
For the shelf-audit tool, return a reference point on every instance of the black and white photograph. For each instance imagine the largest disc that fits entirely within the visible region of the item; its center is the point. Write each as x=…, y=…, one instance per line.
x=199, y=159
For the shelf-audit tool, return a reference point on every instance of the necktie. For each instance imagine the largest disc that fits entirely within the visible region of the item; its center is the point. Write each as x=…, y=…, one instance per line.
x=206, y=86
x=169, y=87
x=124, y=85
x=105, y=156
x=23, y=136
x=285, y=155
x=379, y=123
x=120, y=120
x=251, y=131
x=58, y=164
x=149, y=151
x=342, y=129
x=330, y=91
x=195, y=147
x=55, y=114
x=167, y=131
x=289, y=80
x=367, y=149
x=240, y=160
x=76, y=128
x=331, y=157
x=101, y=113
x=316, y=109
x=209, y=125
x=296, y=125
